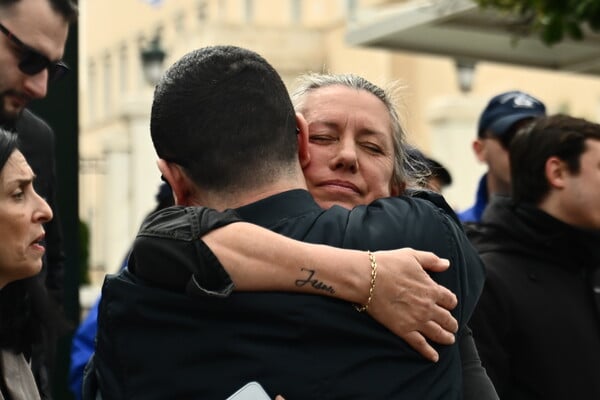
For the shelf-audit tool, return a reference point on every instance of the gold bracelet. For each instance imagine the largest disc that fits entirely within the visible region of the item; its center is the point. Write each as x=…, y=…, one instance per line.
x=372, y=288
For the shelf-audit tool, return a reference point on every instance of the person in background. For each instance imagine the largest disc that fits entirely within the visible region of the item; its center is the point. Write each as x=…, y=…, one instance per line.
x=440, y=177
x=501, y=119
x=33, y=34
x=537, y=324
x=430, y=173
x=22, y=215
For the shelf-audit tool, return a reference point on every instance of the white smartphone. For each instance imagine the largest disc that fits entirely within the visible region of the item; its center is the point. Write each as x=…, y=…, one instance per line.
x=250, y=391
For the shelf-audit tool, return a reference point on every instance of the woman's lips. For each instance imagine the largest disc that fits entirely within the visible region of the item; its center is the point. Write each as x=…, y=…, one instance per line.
x=341, y=185
x=37, y=243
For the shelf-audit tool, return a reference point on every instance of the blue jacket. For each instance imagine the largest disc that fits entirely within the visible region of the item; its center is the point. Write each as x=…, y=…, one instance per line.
x=475, y=213
x=82, y=348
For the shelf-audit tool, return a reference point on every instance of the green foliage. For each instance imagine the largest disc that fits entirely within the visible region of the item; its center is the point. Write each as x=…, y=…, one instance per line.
x=552, y=20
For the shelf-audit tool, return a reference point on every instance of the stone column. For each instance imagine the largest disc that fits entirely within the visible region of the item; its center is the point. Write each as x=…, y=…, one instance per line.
x=132, y=179
x=454, y=127
x=144, y=174
x=116, y=207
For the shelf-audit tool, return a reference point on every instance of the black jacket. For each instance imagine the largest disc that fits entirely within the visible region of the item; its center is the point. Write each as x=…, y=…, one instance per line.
x=154, y=343
x=537, y=324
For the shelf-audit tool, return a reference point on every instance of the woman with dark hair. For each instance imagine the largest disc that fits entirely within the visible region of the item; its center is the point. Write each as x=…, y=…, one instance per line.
x=22, y=213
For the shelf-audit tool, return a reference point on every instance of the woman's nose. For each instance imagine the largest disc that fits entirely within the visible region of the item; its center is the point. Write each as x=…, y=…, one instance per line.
x=346, y=157
x=42, y=212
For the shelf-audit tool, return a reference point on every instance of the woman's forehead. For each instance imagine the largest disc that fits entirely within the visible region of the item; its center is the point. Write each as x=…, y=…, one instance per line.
x=16, y=168
x=339, y=91
x=338, y=104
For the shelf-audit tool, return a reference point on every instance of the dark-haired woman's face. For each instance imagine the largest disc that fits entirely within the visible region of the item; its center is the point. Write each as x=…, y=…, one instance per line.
x=22, y=213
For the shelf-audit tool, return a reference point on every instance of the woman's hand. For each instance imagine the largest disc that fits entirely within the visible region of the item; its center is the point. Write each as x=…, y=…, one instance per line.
x=411, y=304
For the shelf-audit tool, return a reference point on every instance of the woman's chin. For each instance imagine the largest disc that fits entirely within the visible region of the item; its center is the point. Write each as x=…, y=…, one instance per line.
x=32, y=269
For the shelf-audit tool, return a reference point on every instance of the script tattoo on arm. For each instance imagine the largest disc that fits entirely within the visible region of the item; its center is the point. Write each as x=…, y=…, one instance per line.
x=315, y=283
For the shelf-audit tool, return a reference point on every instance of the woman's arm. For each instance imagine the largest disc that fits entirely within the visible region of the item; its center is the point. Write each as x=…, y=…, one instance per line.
x=405, y=299
x=167, y=253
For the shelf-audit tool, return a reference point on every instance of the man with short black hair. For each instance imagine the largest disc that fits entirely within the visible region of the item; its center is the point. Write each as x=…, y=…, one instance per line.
x=537, y=324
x=502, y=117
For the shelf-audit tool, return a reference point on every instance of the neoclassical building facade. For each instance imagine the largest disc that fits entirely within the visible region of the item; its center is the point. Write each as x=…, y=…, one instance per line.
x=118, y=174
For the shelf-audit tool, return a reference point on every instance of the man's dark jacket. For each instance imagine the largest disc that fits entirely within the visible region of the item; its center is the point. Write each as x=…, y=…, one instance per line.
x=155, y=343
x=537, y=324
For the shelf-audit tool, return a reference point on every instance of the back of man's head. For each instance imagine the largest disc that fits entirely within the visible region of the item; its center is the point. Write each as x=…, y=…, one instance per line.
x=66, y=8
x=505, y=110
x=558, y=135
x=225, y=116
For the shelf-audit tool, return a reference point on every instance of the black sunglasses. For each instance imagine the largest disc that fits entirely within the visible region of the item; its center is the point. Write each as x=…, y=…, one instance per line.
x=33, y=62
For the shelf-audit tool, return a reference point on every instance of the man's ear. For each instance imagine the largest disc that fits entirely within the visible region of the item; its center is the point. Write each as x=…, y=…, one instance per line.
x=555, y=170
x=478, y=149
x=302, y=133
x=175, y=177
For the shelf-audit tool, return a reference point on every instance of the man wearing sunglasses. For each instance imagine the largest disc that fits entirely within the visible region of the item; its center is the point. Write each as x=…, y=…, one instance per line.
x=33, y=34
x=504, y=115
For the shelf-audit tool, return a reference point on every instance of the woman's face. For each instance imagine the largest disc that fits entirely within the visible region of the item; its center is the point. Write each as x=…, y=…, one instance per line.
x=22, y=212
x=350, y=145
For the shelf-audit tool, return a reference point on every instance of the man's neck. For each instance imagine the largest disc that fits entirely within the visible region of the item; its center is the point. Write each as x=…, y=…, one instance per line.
x=496, y=187
x=224, y=200
x=553, y=205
